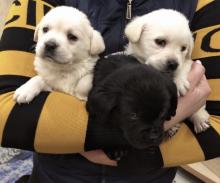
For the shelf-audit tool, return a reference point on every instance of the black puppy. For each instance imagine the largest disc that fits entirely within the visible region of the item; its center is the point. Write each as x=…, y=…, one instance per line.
x=134, y=97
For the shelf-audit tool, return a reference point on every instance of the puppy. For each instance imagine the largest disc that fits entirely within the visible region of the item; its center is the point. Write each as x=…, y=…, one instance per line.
x=133, y=97
x=163, y=40
x=66, y=52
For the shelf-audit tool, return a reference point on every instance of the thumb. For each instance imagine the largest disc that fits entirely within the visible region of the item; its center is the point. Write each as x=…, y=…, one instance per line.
x=196, y=73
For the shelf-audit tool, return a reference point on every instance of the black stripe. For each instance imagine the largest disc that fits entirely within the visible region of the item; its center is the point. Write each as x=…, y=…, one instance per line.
x=20, y=39
x=206, y=16
x=208, y=140
x=55, y=2
x=46, y=9
x=31, y=18
x=14, y=18
x=213, y=107
x=212, y=65
x=17, y=3
x=11, y=82
x=22, y=122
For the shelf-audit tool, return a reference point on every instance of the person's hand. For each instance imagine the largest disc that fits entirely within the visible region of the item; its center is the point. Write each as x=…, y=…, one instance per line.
x=195, y=97
x=98, y=157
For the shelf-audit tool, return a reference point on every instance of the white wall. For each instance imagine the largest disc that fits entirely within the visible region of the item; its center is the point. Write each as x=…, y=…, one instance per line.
x=4, y=7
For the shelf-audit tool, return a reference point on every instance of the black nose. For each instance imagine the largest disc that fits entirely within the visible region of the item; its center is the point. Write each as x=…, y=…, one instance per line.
x=50, y=46
x=155, y=134
x=172, y=65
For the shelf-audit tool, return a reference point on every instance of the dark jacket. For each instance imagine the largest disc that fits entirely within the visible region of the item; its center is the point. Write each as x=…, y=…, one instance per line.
x=109, y=16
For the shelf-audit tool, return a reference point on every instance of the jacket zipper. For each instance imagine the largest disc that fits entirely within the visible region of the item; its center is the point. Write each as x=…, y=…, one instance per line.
x=129, y=10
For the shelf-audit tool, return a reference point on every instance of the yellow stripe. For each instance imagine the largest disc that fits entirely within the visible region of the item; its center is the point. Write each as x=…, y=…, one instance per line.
x=17, y=63
x=184, y=146
x=215, y=122
x=21, y=11
x=40, y=9
x=202, y=3
x=215, y=87
x=214, y=43
x=6, y=105
x=62, y=125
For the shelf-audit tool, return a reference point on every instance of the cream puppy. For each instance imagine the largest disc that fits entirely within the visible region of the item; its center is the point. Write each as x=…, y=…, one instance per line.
x=163, y=39
x=66, y=52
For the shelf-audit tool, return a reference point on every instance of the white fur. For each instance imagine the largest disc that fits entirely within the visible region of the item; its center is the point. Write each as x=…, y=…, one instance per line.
x=173, y=27
x=71, y=69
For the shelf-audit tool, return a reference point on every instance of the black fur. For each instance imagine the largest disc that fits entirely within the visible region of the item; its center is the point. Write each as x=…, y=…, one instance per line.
x=134, y=97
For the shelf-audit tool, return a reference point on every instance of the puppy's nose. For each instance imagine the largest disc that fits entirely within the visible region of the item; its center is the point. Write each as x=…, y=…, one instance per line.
x=155, y=134
x=50, y=46
x=172, y=65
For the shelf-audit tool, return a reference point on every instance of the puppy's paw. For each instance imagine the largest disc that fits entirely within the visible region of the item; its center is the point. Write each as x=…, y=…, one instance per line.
x=172, y=131
x=200, y=121
x=202, y=126
x=25, y=94
x=81, y=97
x=182, y=85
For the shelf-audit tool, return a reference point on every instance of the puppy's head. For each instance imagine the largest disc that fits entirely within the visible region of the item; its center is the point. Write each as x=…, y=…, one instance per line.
x=138, y=107
x=161, y=38
x=65, y=35
x=144, y=107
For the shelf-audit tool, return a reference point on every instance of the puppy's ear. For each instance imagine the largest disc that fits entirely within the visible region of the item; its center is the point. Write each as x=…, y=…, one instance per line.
x=173, y=99
x=36, y=33
x=101, y=105
x=97, y=44
x=134, y=29
x=190, y=49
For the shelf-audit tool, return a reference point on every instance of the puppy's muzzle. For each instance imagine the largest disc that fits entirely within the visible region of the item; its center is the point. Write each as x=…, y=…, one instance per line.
x=50, y=47
x=154, y=135
x=171, y=65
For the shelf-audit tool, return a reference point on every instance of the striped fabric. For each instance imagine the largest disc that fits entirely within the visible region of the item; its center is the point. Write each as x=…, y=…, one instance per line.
x=57, y=123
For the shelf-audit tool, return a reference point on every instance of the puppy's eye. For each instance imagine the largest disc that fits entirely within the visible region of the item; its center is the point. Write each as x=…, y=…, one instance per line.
x=183, y=48
x=133, y=116
x=45, y=29
x=72, y=37
x=161, y=42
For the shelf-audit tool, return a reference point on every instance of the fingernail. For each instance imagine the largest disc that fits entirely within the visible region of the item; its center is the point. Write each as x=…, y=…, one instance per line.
x=198, y=62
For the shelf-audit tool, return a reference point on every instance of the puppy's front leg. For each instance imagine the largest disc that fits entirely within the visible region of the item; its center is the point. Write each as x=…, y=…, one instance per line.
x=26, y=92
x=181, y=80
x=83, y=87
x=200, y=120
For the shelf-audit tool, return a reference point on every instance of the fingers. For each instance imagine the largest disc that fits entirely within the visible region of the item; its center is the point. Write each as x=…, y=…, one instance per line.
x=196, y=74
x=203, y=87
